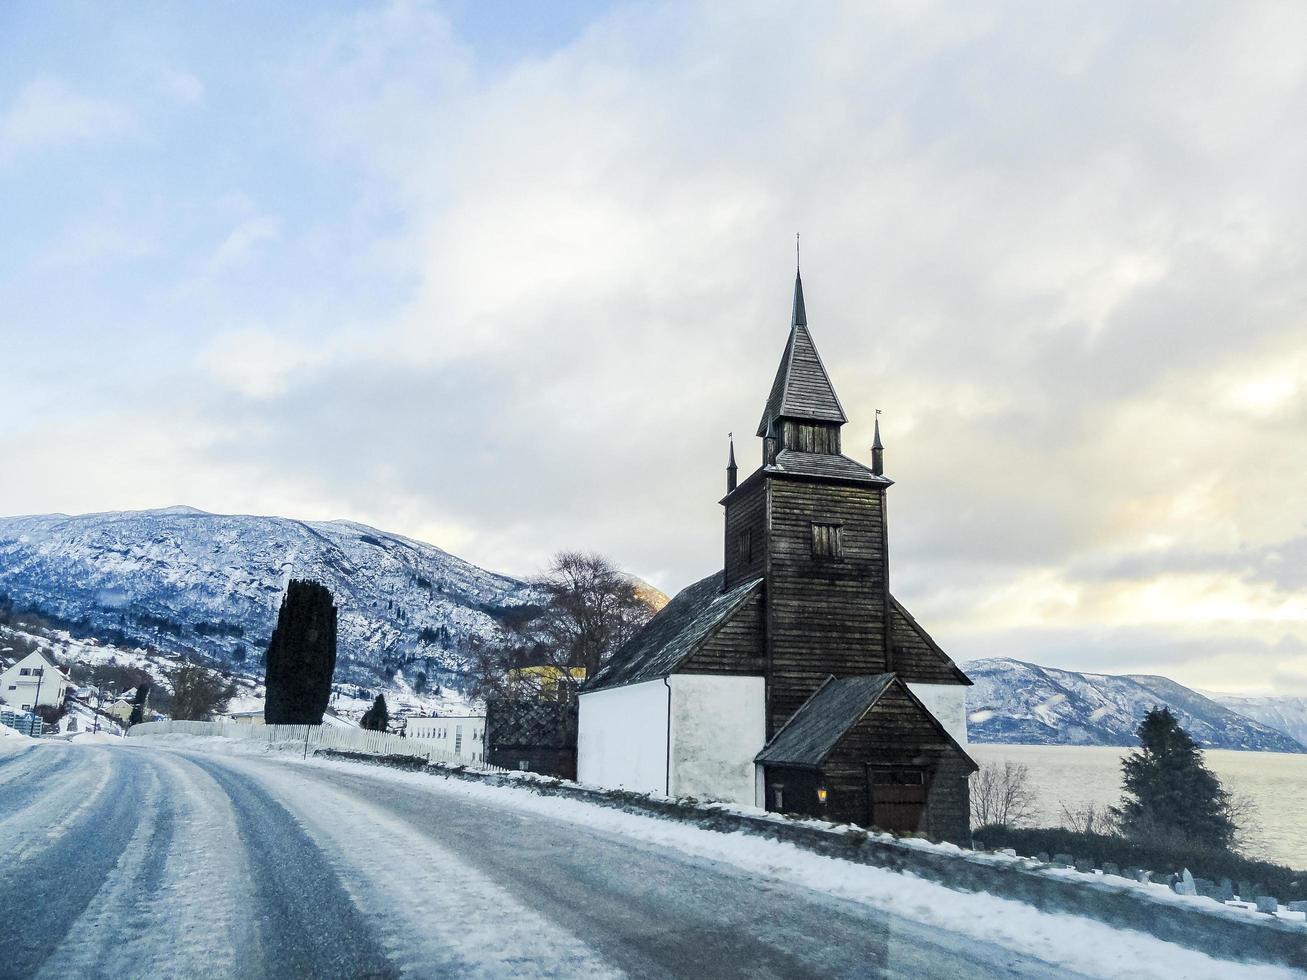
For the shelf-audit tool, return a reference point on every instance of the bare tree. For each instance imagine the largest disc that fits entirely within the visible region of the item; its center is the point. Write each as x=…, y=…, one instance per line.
x=1250, y=833
x=589, y=608
x=199, y=693
x=1091, y=819
x=1001, y=795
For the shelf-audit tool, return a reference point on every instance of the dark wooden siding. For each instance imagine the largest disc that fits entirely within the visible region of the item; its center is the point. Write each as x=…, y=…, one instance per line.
x=737, y=646
x=746, y=512
x=898, y=732
x=810, y=437
x=825, y=616
x=916, y=657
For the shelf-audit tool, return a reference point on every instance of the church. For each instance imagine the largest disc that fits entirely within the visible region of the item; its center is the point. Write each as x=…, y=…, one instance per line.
x=792, y=679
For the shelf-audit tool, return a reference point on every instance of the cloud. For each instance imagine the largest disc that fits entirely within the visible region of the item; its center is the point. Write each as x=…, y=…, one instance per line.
x=48, y=112
x=180, y=86
x=1060, y=250
x=244, y=239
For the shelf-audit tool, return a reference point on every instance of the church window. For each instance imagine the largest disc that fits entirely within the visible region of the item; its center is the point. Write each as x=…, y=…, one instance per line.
x=827, y=540
x=745, y=546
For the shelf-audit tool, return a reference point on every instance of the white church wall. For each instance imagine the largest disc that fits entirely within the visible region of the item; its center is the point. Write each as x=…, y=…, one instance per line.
x=948, y=703
x=718, y=726
x=621, y=740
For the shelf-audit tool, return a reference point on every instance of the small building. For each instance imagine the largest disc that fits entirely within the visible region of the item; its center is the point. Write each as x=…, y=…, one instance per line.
x=792, y=679
x=461, y=735
x=817, y=765
x=535, y=734
x=121, y=708
x=34, y=681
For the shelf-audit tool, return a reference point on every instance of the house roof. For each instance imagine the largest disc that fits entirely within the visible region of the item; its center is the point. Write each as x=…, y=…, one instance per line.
x=44, y=658
x=817, y=727
x=909, y=622
x=813, y=731
x=672, y=635
x=802, y=389
x=823, y=466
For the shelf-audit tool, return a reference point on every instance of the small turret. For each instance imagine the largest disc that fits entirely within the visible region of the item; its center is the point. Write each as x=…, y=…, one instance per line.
x=877, y=450
x=769, y=444
x=731, y=468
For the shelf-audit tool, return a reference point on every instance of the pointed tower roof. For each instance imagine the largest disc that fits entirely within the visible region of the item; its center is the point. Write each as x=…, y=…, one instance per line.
x=802, y=389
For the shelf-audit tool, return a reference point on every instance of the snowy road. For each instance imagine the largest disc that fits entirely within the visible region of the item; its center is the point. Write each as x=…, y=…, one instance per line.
x=129, y=860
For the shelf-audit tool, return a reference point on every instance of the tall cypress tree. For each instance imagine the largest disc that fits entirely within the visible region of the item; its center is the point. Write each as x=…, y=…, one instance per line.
x=1170, y=791
x=138, y=704
x=301, y=656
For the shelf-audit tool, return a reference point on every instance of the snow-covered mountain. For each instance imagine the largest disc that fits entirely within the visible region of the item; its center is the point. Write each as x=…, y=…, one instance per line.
x=185, y=580
x=1020, y=703
x=1285, y=714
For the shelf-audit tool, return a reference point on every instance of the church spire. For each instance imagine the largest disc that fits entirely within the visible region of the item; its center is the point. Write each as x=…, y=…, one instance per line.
x=799, y=318
x=731, y=468
x=802, y=390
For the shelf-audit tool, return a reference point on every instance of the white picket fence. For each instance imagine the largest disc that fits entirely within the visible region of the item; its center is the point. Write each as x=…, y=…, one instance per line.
x=310, y=737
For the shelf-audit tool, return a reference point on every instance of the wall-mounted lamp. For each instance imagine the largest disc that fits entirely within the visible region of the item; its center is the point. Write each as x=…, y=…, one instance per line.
x=821, y=795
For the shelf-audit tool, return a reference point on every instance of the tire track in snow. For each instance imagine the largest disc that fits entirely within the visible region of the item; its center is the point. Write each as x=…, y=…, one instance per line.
x=437, y=914
x=48, y=888
x=179, y=901
x=658, y=911
x=100, y=941
x=16, y=771
x=306, y=924
x=60, y=802
x=10, y=753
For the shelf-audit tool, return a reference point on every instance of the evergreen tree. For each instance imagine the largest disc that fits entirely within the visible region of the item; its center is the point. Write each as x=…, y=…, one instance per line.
x=376, y=718
x=1170, y=792
x=301, y=656
x=138, y=704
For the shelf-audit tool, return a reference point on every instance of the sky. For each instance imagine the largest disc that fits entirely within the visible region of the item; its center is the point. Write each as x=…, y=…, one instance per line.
x=503, y=276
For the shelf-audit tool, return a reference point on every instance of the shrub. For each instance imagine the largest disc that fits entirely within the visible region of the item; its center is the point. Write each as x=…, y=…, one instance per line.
x=1160, y=855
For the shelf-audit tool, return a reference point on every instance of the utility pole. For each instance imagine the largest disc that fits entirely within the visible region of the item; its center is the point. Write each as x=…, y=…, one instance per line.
x=36, y=701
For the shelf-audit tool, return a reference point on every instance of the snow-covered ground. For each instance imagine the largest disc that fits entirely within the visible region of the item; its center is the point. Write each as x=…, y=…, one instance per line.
x=349, y=701
x=326, y=794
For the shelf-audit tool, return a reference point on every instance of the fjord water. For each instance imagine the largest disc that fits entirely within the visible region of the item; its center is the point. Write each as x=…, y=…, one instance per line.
x=1079, y=775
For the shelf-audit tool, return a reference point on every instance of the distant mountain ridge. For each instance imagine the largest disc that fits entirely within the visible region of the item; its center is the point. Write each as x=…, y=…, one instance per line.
x=1284, y=713
x=1014, y=702
x=183, y=579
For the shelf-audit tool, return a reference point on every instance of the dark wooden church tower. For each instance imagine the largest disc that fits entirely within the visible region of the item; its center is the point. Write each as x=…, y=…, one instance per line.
x=811, y=522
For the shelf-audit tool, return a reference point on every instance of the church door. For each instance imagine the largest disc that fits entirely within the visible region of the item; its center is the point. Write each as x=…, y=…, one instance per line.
x=898, y=799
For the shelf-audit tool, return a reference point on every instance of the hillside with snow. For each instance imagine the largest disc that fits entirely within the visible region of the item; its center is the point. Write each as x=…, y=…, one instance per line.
x=1014, y=702
x=1283, y=713
x=182, y=580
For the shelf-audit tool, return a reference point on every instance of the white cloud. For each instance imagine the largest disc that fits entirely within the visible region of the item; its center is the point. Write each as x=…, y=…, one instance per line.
x=242, y=241
x=48, y=112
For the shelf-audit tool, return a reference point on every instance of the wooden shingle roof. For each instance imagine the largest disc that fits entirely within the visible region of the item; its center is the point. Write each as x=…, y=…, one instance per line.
x=814, y=730
x=676, y=632
x=823, y=466
x=802, y=389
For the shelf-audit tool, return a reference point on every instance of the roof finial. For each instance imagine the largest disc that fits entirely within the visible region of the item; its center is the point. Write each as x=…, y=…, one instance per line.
x=730, y=464
x=800, y=315
x=877, y=450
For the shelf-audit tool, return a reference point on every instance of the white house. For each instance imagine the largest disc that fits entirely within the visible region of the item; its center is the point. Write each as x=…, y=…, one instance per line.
x=34, y=680
x=462, y=735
